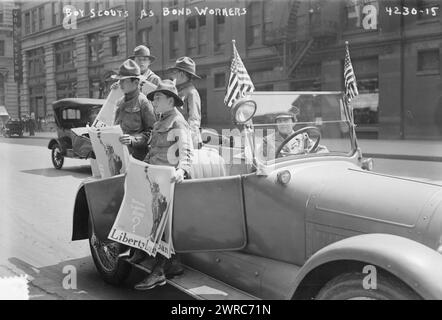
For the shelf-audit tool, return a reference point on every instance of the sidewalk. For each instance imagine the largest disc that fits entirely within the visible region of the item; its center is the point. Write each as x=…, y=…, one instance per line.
x=420, y=150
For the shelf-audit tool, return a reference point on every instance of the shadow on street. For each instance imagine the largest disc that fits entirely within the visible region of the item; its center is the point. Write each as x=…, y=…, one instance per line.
x=76, y=172
x=89, y=285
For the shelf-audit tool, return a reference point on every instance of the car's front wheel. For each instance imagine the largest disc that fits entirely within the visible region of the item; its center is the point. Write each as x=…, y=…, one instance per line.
x=105, y=255
x=57, y=156
x=350, y=286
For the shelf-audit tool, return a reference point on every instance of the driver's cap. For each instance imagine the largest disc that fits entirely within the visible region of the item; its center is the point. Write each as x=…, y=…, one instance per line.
x=286, y=115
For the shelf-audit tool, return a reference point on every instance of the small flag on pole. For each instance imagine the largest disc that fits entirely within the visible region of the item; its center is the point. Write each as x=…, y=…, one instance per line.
x=239, y=82
x=351, y=87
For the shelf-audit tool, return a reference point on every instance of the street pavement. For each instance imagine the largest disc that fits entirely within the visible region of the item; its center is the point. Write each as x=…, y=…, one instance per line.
x=36, y=216
x=36, y=203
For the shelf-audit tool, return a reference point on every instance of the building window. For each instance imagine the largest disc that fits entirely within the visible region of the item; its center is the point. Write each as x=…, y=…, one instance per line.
x=56, y=13
x=220, y=33
x=87, y=8
x=1, y=17
x=428, y=60
x=173, y=3
x=173, y=40
x=365, y=105
x=202, y=35
x=34, y=20
x=254, y=23
x=27, y=23
x=115, y=41
x=2, y=48
x=41, y=18
x=268, y=17
x=143, y=36
x=67, y=89
x=36, y=62
x=220, y=80
x=259, y=21
x=95, y=45
x=196, y=36
x=65, y=55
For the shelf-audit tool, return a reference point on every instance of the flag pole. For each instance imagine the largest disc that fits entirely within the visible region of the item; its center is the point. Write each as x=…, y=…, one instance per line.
x=348, y=107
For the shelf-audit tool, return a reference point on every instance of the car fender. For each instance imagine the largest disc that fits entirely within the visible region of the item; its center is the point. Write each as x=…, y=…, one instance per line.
x=100, y=199
x=413, y=263
x=52, y=142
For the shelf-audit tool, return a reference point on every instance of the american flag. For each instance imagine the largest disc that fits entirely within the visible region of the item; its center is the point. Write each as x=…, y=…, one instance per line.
x=239, y=81
x=351, y=87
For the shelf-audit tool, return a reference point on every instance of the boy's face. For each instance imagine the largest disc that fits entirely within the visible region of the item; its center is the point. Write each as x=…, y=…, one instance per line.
x=285, y=125
x=178, y=75
x=162, y=103
x=128, y=85
x=143, y=63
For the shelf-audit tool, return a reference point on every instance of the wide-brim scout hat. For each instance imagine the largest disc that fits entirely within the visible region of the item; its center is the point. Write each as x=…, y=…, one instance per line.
x=129, y=69
x=169, y=89
x=185, y=64
x=142, y=51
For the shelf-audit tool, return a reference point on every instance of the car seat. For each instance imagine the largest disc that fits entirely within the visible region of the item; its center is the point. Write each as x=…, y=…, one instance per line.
x=207, y=163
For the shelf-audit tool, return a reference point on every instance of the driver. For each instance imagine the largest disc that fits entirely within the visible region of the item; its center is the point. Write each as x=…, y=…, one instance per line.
x=284, y=128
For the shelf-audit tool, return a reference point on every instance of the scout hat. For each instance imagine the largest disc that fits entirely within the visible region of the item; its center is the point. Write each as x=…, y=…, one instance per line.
x=129, y=69
x=185, y=64
x=142, y=51
x=169, y=89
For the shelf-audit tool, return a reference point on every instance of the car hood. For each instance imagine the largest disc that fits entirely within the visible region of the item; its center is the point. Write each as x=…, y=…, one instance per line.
x=347, y=201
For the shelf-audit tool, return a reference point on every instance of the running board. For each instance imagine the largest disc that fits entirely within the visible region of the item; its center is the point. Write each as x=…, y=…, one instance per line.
x=201, y=286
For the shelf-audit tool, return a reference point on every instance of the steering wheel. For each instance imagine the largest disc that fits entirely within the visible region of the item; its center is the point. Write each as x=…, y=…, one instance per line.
x=294, y=134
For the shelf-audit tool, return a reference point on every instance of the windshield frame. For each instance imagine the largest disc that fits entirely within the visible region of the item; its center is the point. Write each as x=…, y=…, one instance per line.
x=347, y=120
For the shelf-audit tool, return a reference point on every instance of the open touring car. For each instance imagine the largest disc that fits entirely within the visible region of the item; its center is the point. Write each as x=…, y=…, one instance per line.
x=309, y=225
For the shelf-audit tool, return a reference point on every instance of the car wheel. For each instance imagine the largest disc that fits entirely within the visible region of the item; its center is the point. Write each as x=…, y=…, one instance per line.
x=57, y=157
x=349, y=286
x=105, y=255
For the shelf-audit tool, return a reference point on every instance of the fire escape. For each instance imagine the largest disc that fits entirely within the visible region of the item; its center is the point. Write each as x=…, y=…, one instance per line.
x=304, y=29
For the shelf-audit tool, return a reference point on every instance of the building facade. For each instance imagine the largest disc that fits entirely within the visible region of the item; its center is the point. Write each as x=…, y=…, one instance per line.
x=299, y=45
x=8, y=86
x=69, y=49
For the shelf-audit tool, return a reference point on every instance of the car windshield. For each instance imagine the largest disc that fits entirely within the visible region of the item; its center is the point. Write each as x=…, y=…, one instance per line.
x=312, y=114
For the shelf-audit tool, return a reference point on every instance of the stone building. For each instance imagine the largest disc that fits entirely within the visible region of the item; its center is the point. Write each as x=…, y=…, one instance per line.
x=8, y=86
x=299, y=45
x=69, y=49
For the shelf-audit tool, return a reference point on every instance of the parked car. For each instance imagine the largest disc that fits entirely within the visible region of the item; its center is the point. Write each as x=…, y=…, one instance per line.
x=71, y=117
x=305, y=225
x=13, y=127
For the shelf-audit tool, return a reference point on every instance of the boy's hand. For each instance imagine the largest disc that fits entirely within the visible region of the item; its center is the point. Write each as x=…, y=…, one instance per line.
x=179, y=176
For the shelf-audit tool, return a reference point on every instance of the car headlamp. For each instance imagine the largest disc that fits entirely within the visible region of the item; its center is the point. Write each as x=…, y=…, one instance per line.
x=243, y=111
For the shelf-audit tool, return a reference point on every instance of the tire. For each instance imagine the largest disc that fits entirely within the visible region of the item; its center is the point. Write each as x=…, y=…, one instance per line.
x=105, y=255
x=57, y=157
x=349, y=286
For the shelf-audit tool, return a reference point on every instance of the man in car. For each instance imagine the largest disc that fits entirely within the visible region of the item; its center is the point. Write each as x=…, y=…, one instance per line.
x=144, y=59
x=183, y=72
x=170, y=132
x=285, y=123
x=134, y=112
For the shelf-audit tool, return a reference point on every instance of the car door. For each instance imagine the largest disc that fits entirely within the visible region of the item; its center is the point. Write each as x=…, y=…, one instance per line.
x=208, y=215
